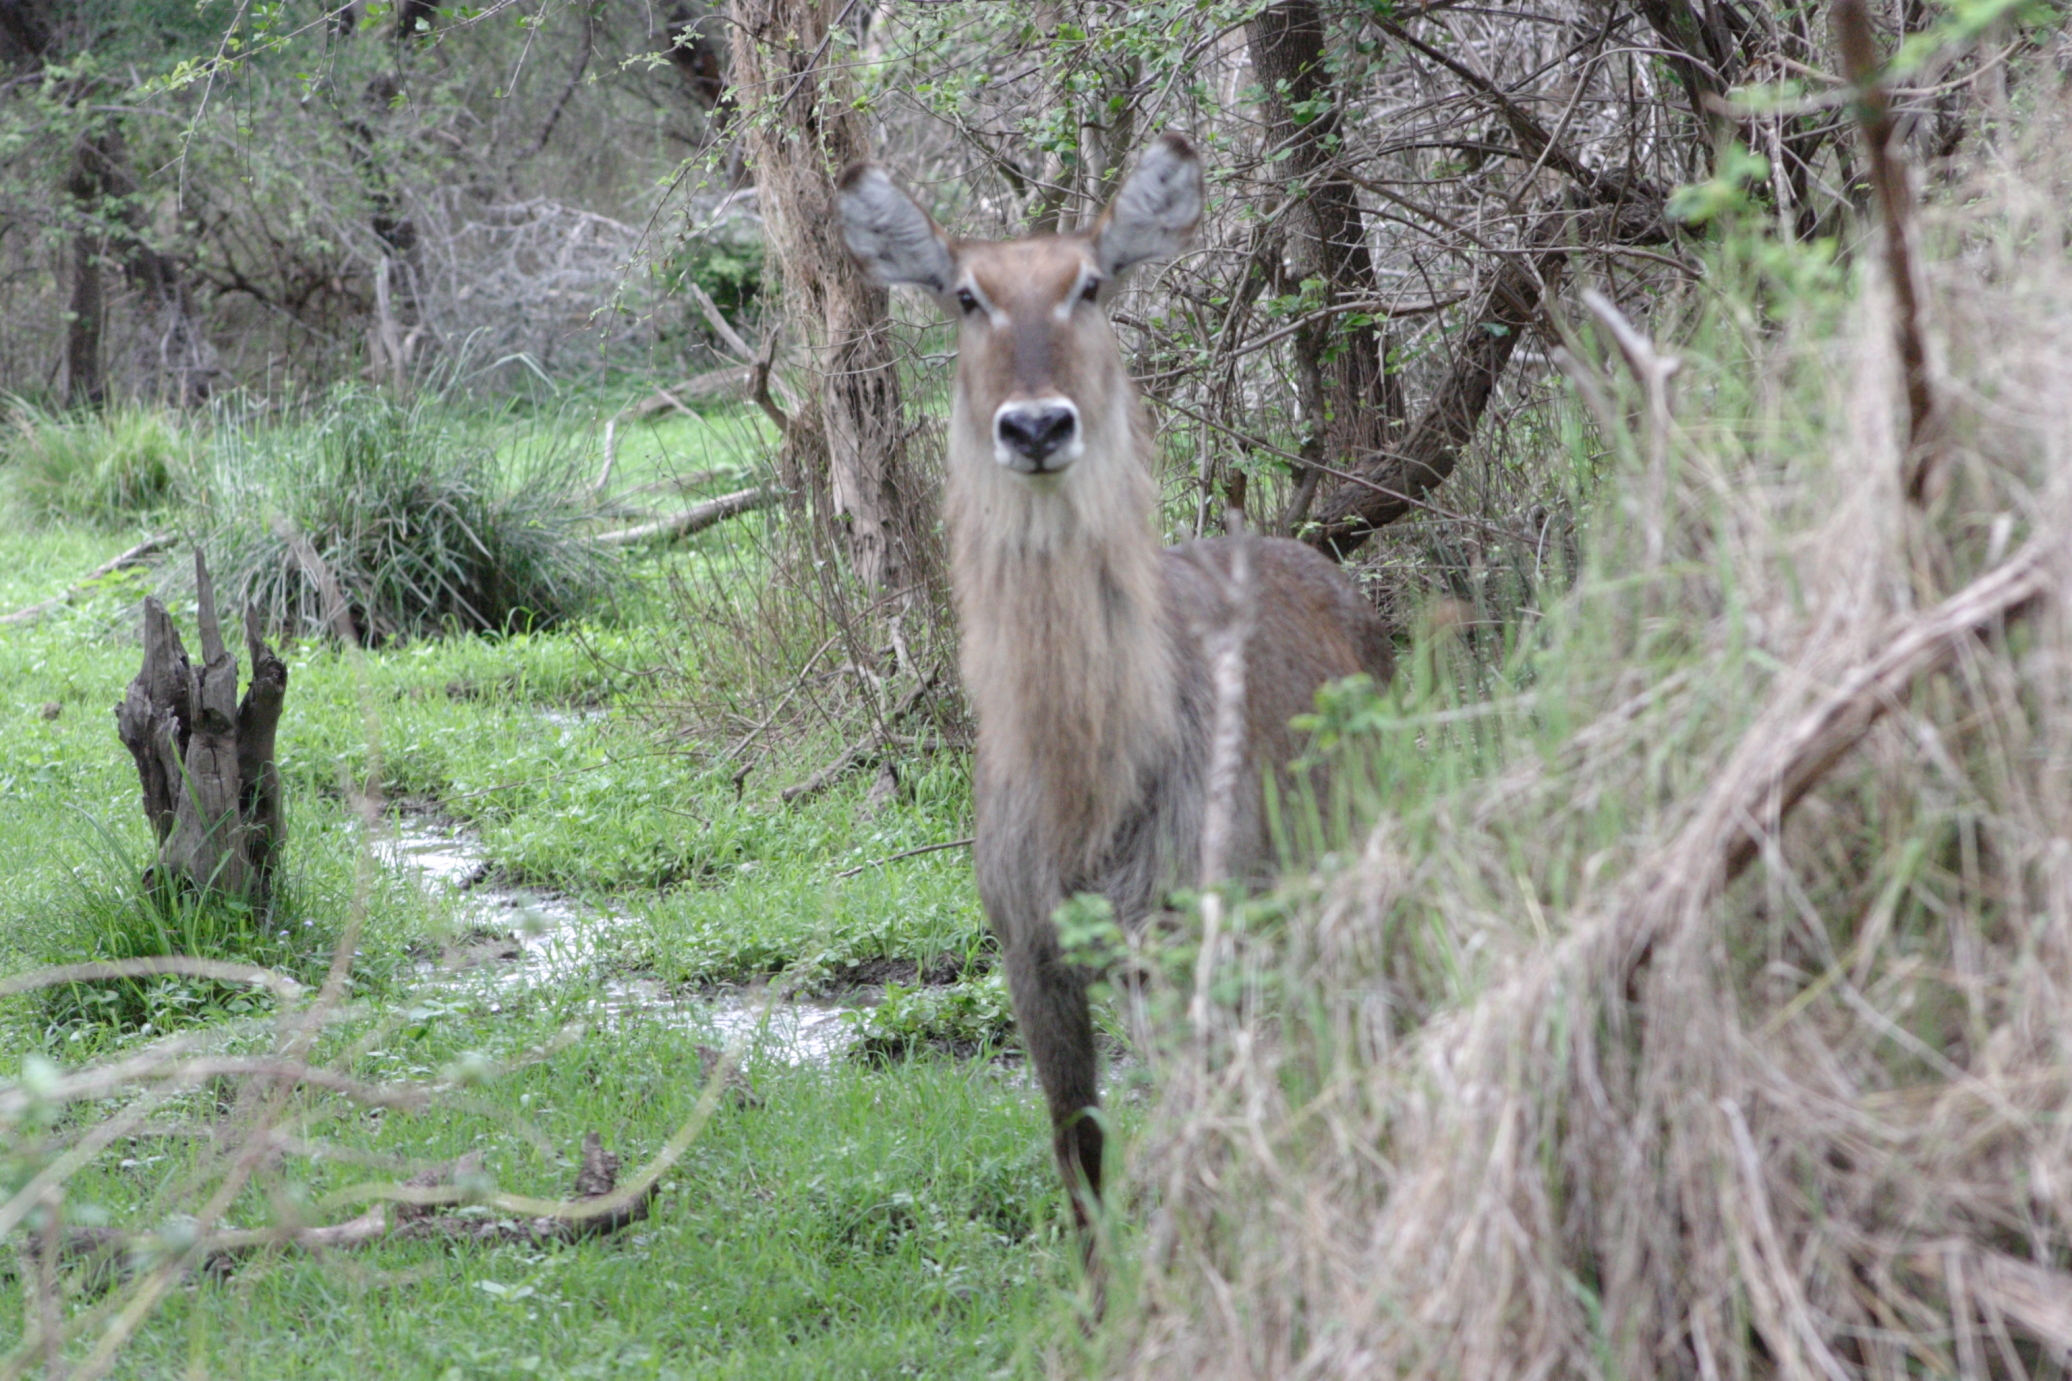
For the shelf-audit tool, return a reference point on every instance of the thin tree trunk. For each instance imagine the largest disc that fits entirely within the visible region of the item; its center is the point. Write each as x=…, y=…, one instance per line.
x=845, y=447
x=1351, y=403
x=85, y=383
x=103, y=192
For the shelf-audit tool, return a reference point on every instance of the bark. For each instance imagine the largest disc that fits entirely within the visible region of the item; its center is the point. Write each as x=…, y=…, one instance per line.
x=206, y=761
x=844, y=451
x=1351, y=403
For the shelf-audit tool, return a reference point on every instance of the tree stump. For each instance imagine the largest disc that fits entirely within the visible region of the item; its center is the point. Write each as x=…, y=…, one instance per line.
x=205, y=759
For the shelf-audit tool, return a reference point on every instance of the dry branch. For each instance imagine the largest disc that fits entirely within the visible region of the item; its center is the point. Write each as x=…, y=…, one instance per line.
x=135, y=556
x=1861, y=63
x=696, y=518
x=419, y=1214
x=1396, y=478
x=729, y=381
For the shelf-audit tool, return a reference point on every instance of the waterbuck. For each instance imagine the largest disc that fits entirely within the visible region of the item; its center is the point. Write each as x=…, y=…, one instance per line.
x=1088, y=650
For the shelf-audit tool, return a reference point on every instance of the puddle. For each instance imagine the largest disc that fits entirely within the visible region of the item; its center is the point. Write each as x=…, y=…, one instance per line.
x=558, y=942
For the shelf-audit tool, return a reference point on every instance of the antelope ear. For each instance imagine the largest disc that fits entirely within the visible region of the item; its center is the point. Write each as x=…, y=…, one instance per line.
x=889, y=235
x=1156, y=210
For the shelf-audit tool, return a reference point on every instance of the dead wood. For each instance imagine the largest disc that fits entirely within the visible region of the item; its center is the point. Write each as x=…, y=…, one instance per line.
x=421, y=1212
x=696, y=518
x=1393, y=481
x=135, y=556
x=206, y=760
x=728, y=381
x=864, y=750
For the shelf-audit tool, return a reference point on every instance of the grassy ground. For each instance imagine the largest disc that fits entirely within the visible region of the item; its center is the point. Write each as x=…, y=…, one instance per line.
x=857, y=1220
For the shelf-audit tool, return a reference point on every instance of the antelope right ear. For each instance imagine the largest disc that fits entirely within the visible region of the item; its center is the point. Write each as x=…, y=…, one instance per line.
x=889, y=235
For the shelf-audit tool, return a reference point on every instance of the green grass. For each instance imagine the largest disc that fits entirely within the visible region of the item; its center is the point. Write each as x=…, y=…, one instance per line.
x=424, y=523
x=862, y=1221
x=854, y=1224
x=103, y=468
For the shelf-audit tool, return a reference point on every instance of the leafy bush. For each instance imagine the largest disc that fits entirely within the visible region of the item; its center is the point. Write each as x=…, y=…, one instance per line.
x=423, y=525
x=102, y=467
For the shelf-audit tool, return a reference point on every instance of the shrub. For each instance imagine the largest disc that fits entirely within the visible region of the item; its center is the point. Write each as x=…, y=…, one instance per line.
x=102, y=467
x=424, y=525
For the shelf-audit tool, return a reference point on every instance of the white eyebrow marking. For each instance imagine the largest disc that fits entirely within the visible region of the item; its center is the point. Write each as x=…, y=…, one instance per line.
x=1063, y=311
x=994, y=316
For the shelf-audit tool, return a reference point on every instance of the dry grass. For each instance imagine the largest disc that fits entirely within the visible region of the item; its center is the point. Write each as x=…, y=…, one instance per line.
x=1699, y=1007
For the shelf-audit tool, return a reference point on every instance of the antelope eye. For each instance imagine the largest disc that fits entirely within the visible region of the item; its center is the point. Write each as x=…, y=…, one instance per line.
x=966, y=301
x=1092, y=291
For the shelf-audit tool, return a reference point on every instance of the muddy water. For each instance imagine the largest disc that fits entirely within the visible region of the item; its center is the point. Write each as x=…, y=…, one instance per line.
x=553, y=942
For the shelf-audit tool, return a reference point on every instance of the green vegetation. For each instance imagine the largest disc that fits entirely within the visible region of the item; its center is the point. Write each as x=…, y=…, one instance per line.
x=102, y=467
x=412, y=511
x=850, y=1219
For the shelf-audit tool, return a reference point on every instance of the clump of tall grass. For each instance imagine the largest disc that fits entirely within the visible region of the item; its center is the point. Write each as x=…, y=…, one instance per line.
x=1698, y=1007
x=99, y=466
x=416, y=517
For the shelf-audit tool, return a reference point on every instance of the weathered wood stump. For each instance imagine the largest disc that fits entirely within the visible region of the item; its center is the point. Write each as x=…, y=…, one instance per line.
x=205, y=759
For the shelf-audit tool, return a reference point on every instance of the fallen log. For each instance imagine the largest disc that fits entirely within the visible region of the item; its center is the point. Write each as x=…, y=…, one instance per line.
x=728, y=381
x=696, y=518
x=135, y=556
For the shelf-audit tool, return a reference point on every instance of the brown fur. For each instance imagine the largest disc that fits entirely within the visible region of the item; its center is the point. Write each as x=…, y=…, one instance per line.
x=1083, y=647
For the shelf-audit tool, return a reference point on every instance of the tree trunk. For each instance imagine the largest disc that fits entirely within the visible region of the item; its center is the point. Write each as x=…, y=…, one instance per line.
x=85, y=384
x=1351, y=403
x=205, y=759
x=103, y=192
x=845, y=448
x=1399, y=478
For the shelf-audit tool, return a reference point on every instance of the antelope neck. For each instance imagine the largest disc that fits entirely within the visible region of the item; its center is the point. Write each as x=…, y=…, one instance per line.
x=1067, y=649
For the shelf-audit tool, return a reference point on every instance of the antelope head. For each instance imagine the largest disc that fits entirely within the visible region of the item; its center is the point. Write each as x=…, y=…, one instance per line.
x=1040, y=380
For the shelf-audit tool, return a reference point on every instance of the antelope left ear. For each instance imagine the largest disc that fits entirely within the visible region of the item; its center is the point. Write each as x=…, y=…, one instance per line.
x=1156, y=210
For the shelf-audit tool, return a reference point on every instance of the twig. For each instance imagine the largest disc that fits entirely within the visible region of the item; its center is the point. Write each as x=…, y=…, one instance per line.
x=1861, y=63
x=878, y=738
x=135, y=556
x=760, y=386
x=721, y=327
x=611, y=458
x=1653, y=369
x=826, y=776
x=696, y=518
x=905, y=853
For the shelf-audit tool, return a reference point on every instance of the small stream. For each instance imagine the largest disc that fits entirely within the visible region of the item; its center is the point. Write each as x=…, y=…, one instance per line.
x=514, y=938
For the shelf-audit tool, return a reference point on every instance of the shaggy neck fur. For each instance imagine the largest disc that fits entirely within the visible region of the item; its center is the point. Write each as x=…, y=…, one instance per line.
x=1067, y=650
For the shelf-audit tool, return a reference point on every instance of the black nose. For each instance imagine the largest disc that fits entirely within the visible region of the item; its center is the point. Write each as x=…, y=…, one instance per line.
x=1037, y=431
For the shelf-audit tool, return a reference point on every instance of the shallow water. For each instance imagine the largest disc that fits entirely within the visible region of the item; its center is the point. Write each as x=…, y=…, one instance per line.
x=555, y=942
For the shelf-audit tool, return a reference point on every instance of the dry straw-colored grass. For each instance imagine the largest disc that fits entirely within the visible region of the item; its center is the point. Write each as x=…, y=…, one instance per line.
x=1700, y=1005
